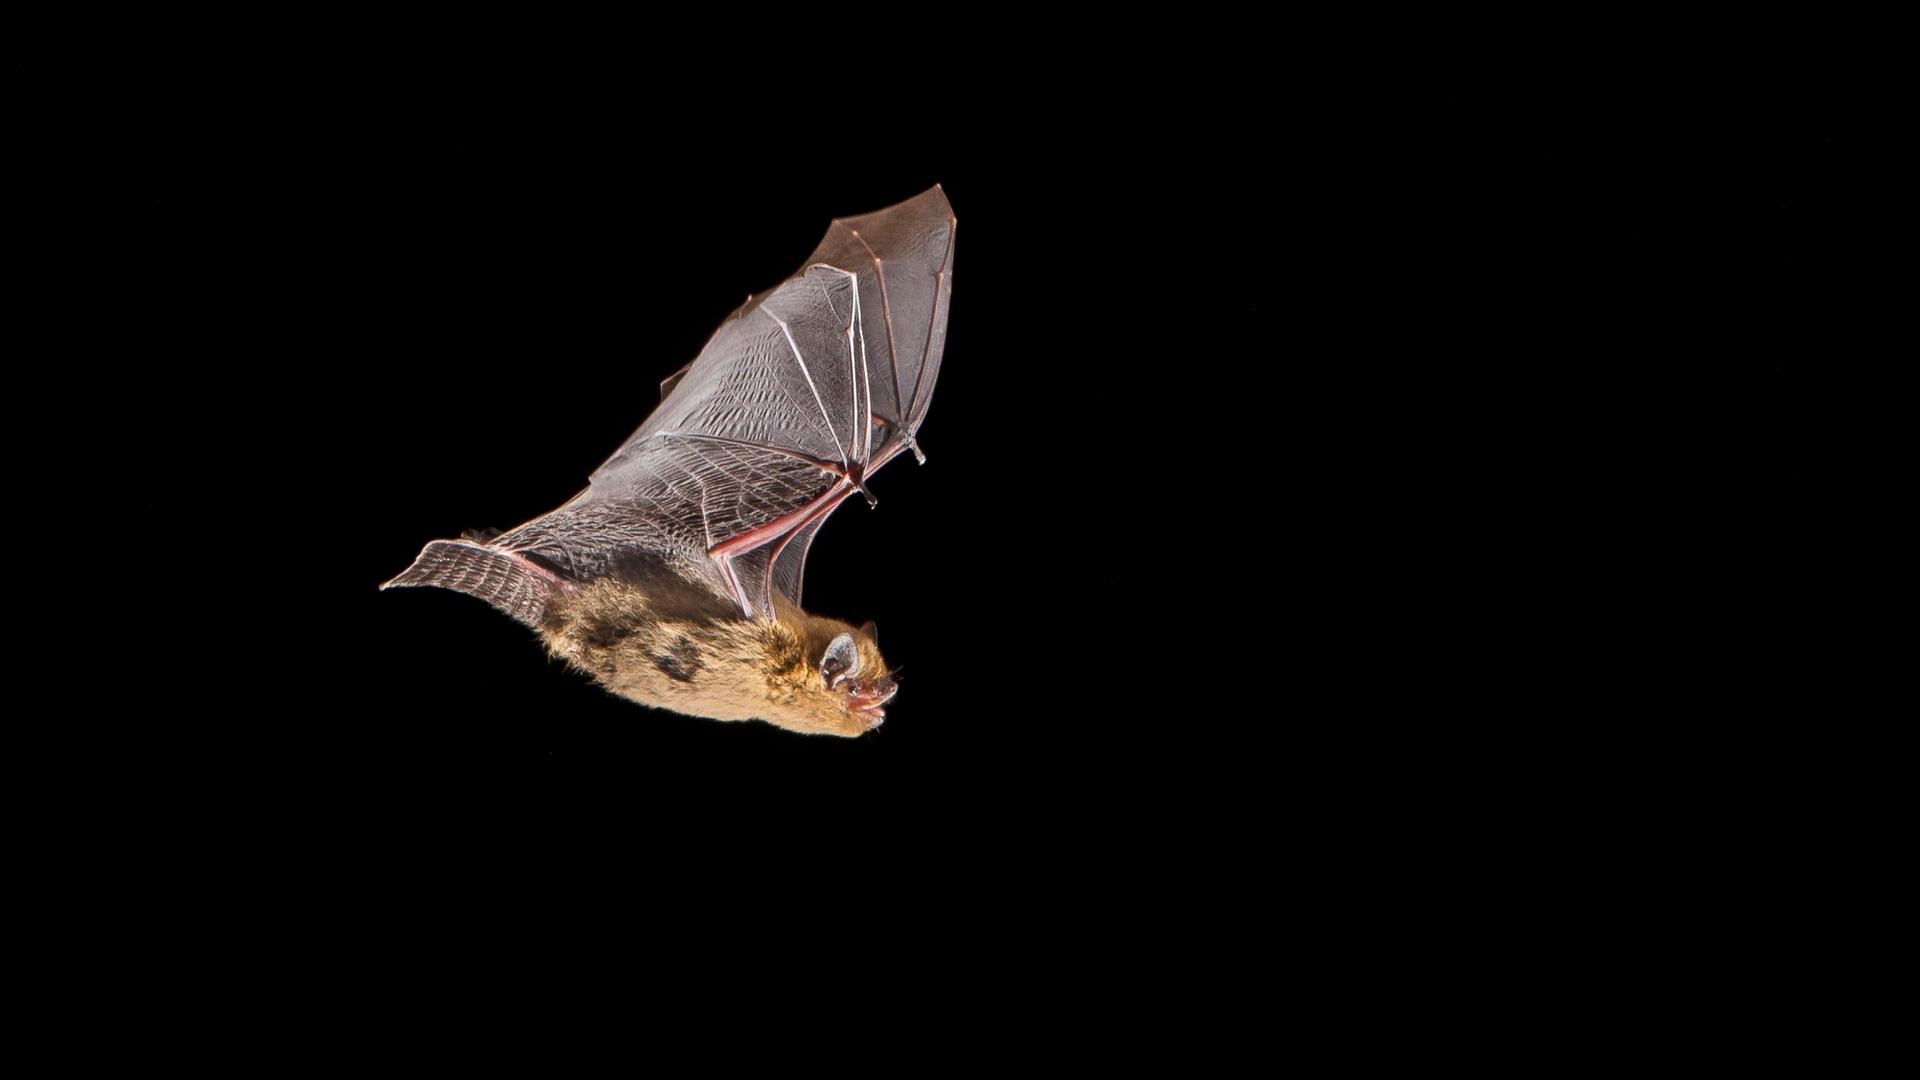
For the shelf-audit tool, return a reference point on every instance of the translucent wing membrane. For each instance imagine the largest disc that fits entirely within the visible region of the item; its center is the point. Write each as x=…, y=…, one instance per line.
x=903, y=258
x=792, y=404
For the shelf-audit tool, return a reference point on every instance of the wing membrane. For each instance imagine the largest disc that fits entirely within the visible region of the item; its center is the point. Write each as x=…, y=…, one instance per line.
x=791, y=405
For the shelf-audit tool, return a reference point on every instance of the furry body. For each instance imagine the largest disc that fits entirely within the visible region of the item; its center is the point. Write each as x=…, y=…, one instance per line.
x=673, y=646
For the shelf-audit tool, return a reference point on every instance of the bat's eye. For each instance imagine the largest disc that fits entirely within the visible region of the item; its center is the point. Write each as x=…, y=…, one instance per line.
x=840, y=661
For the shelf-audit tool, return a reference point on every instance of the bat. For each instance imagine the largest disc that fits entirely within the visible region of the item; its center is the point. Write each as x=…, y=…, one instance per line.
x=674, y=578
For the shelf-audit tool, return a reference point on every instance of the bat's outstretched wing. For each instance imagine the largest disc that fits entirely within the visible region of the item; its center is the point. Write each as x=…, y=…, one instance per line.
x=797, y=399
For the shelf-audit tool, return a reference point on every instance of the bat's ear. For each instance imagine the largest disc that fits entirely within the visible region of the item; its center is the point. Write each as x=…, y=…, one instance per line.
x=841, y=660
x=871, y=631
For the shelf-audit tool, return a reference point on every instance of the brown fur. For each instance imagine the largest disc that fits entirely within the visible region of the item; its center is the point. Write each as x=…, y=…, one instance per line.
x=659, y=649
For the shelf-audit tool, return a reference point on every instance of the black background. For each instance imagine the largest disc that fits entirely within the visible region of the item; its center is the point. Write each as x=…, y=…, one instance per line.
x=1282, y=424
x=1363, y=587
x=1361, y=557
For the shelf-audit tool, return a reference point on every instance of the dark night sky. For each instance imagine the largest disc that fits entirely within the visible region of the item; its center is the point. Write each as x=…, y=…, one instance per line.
x=1314, y=362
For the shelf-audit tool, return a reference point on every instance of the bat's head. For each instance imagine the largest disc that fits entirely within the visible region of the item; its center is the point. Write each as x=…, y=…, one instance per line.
x=834, y=681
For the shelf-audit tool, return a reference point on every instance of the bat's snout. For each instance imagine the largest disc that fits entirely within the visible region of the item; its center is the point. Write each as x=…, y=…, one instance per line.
x=869, y=700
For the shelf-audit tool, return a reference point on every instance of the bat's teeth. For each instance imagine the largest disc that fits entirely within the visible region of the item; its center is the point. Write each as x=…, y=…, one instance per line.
x=874, y=706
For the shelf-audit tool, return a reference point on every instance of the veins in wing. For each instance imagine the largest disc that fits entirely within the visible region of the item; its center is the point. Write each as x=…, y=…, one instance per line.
x=858, y=385
x=865, y=416
x=706, y=521
x=920, y=372
x=740, y=487
x=886, y=308
x=908, y=401
x=787, y=332
x=822, y=464
x=767, y=542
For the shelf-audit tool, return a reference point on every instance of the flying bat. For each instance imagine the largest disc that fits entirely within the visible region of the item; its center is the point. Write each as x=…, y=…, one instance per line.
x=674, y=578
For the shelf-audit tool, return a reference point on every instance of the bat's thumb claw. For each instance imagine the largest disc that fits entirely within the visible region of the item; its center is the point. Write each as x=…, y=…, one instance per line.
x=919, y=455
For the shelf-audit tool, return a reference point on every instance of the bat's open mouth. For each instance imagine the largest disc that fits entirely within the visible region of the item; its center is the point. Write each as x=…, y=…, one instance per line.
x=870, y=700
